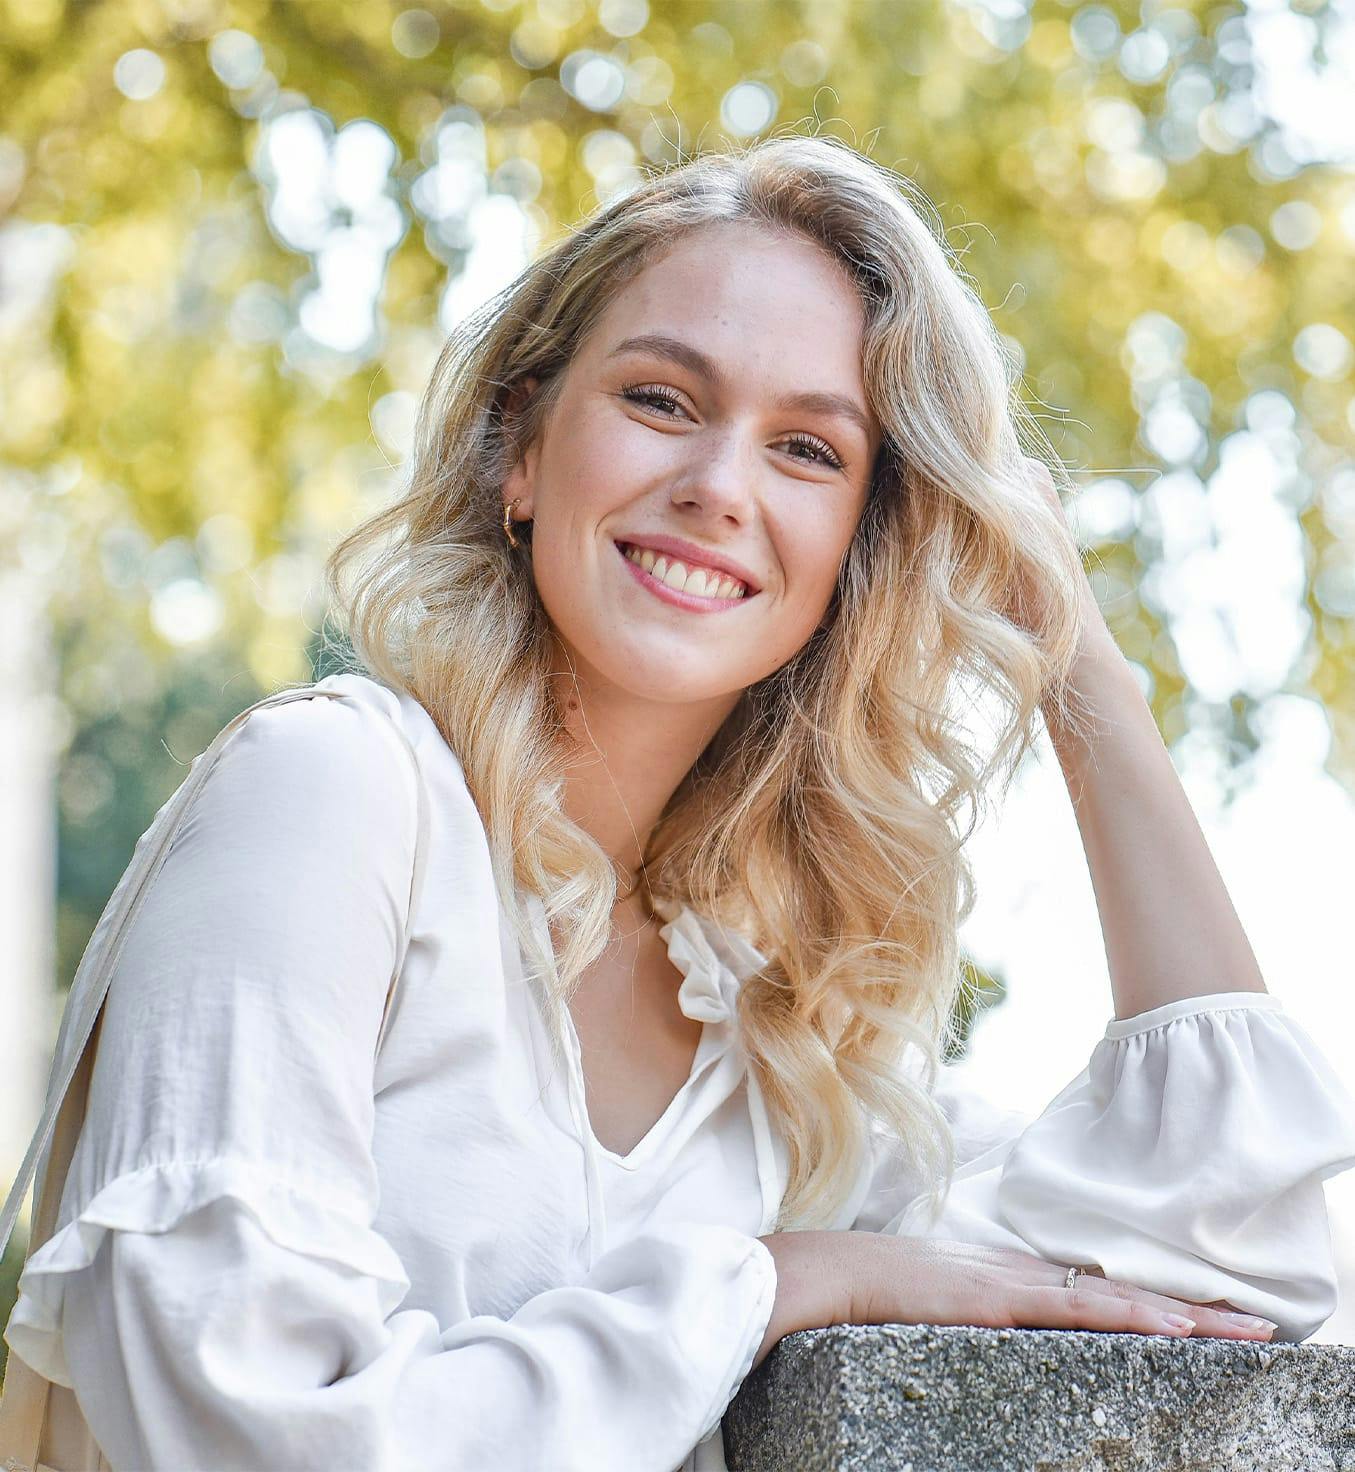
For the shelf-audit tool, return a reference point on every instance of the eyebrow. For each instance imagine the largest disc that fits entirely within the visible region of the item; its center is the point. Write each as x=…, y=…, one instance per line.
x=661, y=345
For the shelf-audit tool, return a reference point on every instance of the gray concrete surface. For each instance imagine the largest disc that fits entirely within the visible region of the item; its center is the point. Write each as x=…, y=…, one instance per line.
x=941, y=1399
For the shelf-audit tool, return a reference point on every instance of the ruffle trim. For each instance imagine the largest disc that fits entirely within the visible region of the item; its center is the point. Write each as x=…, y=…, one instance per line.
x=157, y=1198
x=709, y=989
x=1186, y=1007
x=714, y=962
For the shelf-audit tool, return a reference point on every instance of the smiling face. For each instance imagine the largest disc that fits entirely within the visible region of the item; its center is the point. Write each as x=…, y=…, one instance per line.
x=718, y=403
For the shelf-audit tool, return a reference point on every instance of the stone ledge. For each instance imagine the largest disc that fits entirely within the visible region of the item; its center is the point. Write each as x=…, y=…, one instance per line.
x=929, y=1398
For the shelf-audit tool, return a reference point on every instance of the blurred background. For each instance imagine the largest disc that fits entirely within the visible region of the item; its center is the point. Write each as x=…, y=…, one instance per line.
x=234, y=233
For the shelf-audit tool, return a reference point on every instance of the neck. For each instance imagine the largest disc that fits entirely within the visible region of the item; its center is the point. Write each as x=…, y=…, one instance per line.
x=630, y=755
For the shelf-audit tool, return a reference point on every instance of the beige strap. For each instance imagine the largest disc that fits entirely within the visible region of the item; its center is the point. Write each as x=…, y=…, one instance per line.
x=24, y=1401
x=23, y=1409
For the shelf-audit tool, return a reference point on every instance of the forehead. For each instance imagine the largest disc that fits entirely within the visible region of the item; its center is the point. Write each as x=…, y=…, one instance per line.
x=763, y=302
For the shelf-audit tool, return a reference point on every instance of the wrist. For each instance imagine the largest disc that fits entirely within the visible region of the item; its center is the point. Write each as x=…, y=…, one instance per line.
x=814, y=1283
x=1096, y=688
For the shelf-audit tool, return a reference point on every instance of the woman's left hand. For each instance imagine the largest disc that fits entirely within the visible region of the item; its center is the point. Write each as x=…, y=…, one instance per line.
x=1024, y=608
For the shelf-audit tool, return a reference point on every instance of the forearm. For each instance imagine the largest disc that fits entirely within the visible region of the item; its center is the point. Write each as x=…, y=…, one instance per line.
x=1169, y=926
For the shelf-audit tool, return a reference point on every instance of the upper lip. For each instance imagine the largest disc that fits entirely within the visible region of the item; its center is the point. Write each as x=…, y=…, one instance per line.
x=692, y=555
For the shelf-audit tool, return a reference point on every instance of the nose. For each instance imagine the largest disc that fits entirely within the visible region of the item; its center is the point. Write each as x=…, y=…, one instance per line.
x=721, y=477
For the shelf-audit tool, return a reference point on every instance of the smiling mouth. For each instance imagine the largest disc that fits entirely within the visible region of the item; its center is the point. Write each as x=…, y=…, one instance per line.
x=698, y=588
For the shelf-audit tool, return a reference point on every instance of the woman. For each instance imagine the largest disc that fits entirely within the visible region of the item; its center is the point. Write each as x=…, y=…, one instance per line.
x=710, y=517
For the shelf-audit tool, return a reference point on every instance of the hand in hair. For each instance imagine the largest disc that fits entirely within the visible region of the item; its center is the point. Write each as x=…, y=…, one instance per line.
x=1025, y=608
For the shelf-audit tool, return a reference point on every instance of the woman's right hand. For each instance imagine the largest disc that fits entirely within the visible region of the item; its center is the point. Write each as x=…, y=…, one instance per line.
x=929, y=1280
x=828, y=1278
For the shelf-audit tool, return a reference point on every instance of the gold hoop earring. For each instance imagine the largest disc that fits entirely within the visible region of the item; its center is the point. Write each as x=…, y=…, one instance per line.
x=508, y=523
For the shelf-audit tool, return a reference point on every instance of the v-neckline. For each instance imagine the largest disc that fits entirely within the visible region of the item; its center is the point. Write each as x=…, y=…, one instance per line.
x=649, y=1142
x=654, y=1135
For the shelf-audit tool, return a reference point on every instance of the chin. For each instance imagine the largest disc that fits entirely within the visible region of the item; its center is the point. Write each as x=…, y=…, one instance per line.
x=662, y=675
x=663, y=687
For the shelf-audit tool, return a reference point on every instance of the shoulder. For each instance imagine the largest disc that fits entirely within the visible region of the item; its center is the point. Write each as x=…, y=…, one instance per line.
x=356, y=758
x=350, y=717
x=349, y=722
x=333, y=753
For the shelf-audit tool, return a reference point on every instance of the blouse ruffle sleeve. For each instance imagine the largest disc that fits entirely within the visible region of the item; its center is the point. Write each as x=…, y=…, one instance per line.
x=1187, y=1158
x=216, y=1345
x=215, y=1292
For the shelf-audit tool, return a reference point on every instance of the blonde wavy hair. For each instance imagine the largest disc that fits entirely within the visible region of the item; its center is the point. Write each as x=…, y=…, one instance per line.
x=824, y=820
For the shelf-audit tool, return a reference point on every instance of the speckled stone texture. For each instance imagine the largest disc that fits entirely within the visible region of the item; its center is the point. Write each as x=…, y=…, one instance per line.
x=940, y=1399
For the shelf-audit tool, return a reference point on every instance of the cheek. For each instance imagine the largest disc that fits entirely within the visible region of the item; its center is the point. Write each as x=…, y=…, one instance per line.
x=594, y=459
x=558, y=585
x=811, y=550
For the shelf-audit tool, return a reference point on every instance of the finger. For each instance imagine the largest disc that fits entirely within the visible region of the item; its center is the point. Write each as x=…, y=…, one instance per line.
x=1211, y=1322
x=1085, y=1308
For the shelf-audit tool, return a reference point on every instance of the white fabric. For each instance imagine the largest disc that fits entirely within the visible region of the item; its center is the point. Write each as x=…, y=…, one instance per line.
x=1187, y=1157
x=268, y=1258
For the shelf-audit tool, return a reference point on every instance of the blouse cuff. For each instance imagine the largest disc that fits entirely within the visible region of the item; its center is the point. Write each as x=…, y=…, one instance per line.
x=757, y=1276
x=1153, y=1017
x=156, y=1198
x=711, y=1289
x=1188, y=1158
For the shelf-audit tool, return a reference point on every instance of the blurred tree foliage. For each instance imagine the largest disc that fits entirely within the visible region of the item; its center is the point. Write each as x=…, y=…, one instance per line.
x=235, y=232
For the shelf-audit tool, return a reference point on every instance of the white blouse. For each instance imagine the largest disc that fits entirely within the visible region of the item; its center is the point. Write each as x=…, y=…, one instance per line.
x=271, y=1254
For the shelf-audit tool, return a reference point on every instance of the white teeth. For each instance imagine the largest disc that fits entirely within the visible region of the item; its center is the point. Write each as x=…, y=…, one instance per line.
x=702, y=582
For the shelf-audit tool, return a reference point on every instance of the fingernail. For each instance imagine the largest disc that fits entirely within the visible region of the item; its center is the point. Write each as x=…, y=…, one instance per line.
x=1249, y=1321
x=1177, y=1322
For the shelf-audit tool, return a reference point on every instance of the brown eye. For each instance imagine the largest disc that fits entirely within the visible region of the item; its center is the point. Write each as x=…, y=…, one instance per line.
x=650, y=394
x=820, y=447
x=638, y=394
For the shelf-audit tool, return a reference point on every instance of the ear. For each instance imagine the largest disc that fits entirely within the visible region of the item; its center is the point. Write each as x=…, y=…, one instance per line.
x=519, y=483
